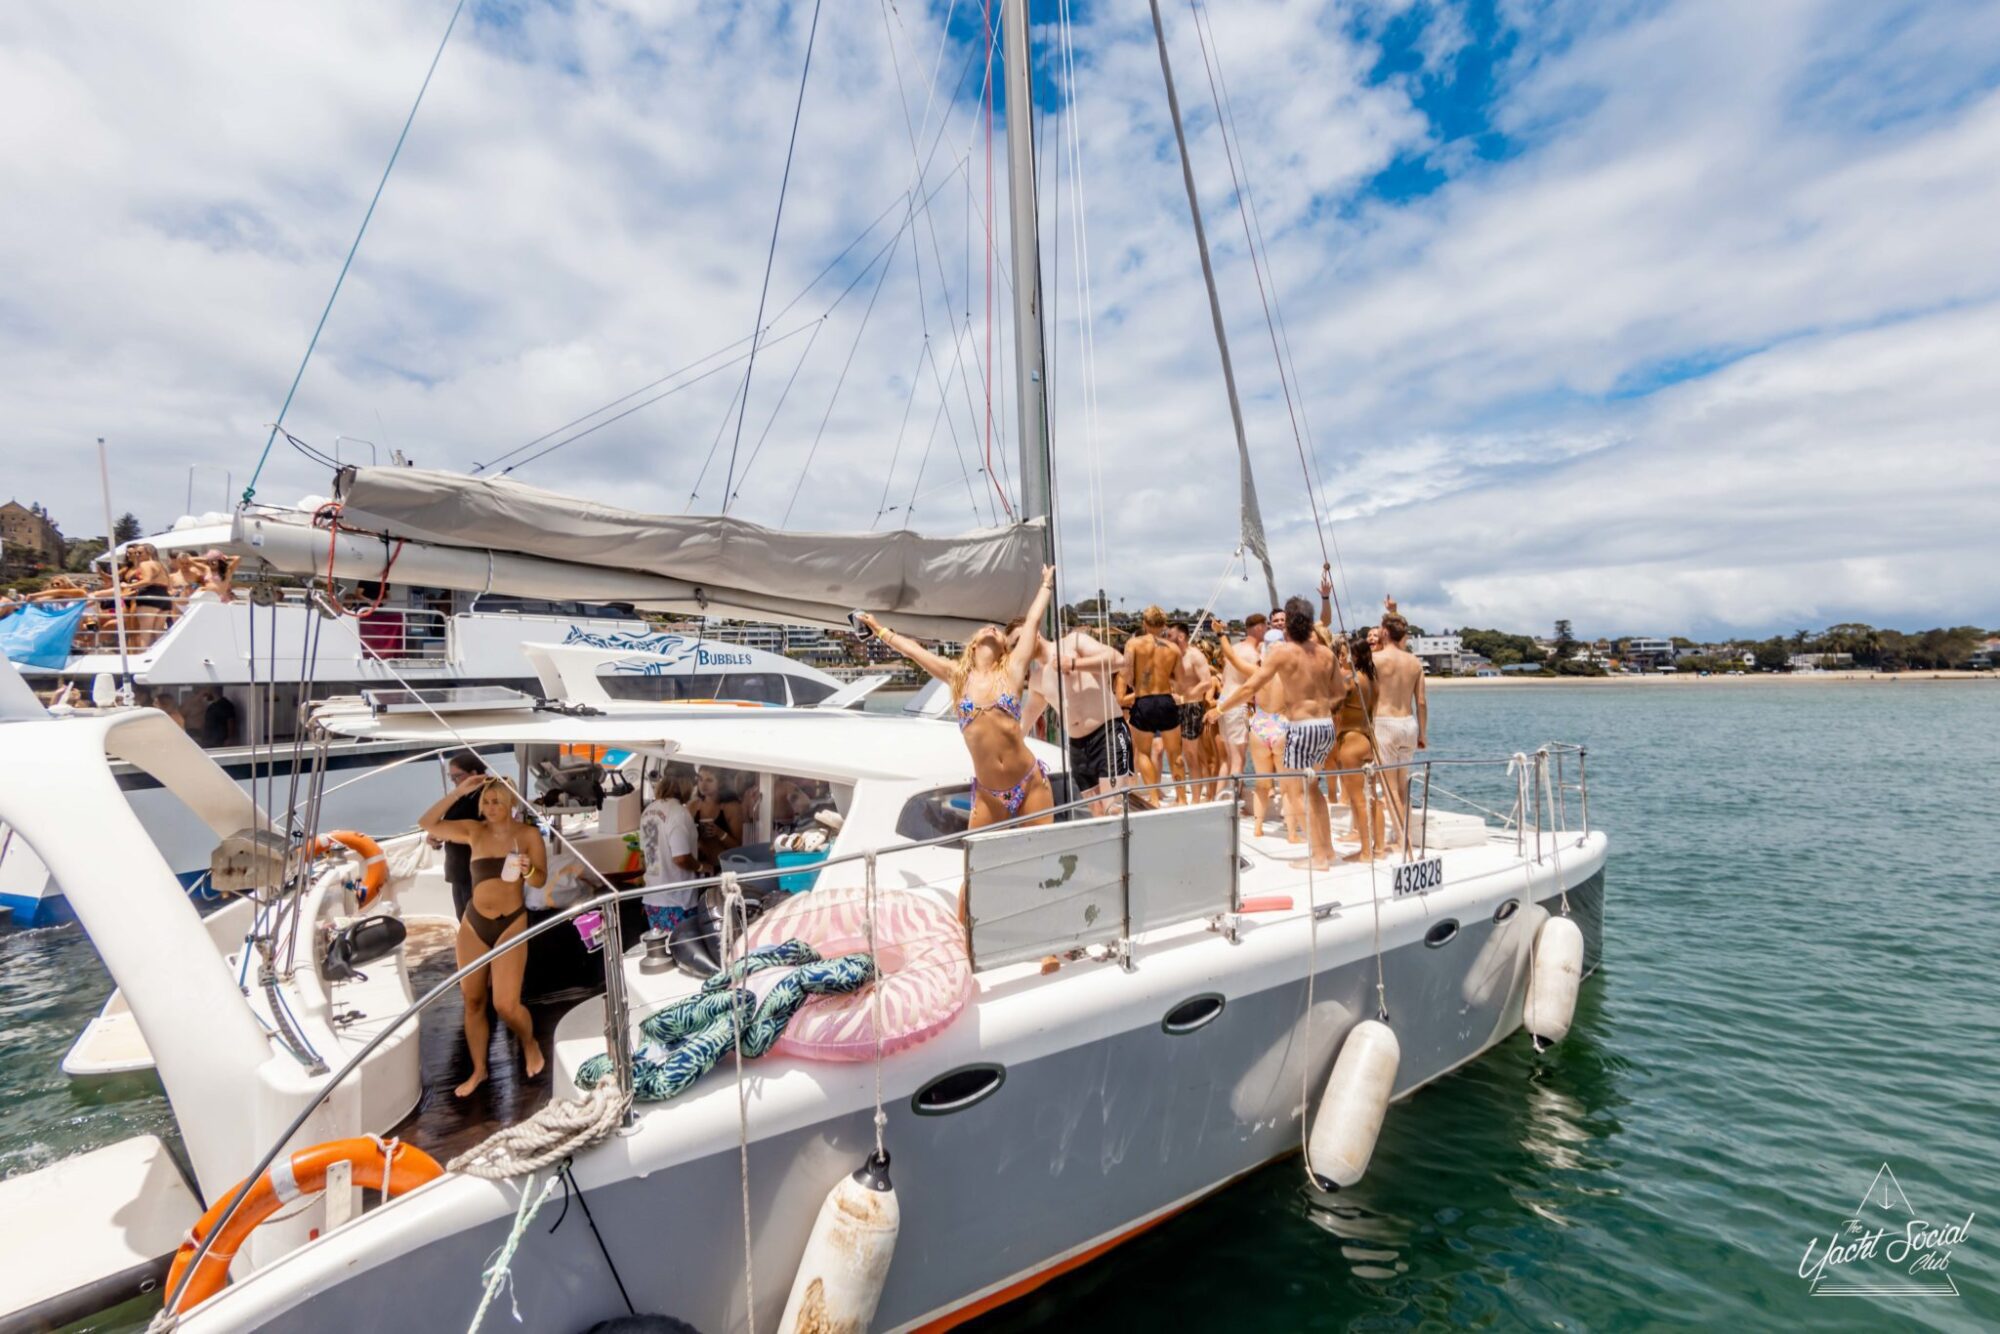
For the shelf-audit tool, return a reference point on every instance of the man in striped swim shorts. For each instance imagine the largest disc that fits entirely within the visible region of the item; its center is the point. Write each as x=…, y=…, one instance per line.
x=1313, y=685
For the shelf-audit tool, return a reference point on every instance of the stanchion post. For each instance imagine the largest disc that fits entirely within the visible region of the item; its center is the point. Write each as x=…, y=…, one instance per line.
x=617, y=1010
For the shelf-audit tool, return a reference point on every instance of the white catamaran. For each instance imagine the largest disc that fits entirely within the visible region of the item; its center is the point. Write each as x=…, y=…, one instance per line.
x=826, y=1100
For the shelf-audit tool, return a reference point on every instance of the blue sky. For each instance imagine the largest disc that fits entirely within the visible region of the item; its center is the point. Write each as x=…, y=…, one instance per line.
x=1656, y=316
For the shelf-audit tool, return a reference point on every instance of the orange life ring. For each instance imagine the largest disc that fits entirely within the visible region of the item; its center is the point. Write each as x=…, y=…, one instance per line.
x=374, y=866
x=304, y=1173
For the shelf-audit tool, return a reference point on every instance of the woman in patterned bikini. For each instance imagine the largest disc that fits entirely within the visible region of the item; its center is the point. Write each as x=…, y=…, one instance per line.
x=987, y=683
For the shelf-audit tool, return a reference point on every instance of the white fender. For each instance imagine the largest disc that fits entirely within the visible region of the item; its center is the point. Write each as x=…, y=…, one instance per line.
x=1554, y=974
x=1350, y=1113
x=847, y=1256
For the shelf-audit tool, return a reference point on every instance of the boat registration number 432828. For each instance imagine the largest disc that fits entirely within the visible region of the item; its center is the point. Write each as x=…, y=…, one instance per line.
x=1418, y=877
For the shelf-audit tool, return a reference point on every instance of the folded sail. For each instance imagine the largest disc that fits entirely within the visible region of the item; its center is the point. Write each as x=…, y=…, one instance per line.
x=933, y=586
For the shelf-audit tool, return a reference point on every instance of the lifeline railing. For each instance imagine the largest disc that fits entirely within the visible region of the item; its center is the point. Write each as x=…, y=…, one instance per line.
x=617, y=1009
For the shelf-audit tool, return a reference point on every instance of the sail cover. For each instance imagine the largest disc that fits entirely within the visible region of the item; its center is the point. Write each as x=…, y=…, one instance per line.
x=941, y=587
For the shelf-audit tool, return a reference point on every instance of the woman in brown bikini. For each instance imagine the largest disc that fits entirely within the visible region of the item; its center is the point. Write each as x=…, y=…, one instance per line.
x=506, y=853
x=1354, y=745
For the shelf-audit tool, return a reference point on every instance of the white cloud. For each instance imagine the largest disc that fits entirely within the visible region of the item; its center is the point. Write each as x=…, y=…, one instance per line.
x=1711, y=349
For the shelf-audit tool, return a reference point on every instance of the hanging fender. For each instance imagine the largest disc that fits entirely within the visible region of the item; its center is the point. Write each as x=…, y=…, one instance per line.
x=374, y=866
x=1555, y=970
x=390, y=1166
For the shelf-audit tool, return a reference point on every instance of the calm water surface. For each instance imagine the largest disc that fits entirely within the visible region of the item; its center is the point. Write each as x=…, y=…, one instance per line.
x=1802, y=983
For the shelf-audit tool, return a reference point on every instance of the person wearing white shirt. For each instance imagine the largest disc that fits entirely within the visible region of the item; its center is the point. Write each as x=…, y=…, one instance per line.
x=668, y=840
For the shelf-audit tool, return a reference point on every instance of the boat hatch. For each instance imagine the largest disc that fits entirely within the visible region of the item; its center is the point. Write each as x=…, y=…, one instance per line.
x=449, y=699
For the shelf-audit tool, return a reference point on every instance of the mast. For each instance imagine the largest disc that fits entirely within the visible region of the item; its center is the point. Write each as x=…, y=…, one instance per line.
x=1030, y=379
x=1252, y=518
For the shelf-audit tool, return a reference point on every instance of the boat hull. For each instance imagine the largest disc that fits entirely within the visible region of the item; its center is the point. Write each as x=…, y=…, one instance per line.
x=1080, y=1147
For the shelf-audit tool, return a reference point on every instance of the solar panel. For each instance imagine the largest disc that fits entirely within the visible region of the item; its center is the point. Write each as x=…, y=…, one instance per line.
x=449, y=699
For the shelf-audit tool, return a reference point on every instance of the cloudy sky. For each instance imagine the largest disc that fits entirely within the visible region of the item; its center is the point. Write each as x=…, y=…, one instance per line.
x=1662, y=317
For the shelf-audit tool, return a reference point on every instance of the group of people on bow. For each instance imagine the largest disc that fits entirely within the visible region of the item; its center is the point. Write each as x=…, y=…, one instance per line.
x=1287, y=702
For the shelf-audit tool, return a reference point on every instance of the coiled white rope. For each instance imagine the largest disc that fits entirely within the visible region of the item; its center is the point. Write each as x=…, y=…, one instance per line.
x=552, y=1134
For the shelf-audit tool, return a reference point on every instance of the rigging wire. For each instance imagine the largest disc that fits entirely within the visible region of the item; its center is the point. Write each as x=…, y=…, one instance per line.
x=930, y=224
x=1256, y=268
x=1249, y=195
x=772, y=420
x=882, y=506
x=771, y=255
x=591, y=431
x=840, y=381
x=250, y=490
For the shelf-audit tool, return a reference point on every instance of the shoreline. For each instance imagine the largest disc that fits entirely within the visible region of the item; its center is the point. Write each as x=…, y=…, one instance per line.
x=1719, y=678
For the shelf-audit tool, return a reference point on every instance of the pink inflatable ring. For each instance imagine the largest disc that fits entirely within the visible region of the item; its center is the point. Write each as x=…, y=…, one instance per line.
x=919, y=947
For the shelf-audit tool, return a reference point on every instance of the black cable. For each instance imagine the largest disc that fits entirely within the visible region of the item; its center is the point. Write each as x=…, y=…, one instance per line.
x=570, y=1183
x=770, y=257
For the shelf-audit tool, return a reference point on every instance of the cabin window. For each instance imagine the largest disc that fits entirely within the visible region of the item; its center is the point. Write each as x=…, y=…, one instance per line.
x=805, y=690
x=756, y=687
x=938, y=813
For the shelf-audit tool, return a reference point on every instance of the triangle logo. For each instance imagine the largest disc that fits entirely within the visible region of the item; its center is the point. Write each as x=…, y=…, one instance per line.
x=1885, y=1248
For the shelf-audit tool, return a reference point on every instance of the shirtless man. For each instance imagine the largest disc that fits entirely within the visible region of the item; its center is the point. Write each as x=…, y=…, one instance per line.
x=1402, y=717
x=1080, y=667
x=1194, y=689
x=1313, y=685
x=1266, y=726
x=1151, y=664
x=1235, y=725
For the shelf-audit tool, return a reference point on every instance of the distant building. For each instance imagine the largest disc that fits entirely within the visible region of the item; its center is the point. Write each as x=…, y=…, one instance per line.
x=1646, y=652
x=1440, y=653
x=1986, y=656
x=1820, y=662
x=29, y=542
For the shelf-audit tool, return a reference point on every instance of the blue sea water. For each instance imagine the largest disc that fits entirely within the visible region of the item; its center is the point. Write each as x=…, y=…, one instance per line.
x=1802, y=984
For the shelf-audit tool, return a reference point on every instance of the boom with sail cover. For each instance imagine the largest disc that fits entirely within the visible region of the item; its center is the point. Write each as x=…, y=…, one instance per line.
x=941, y=587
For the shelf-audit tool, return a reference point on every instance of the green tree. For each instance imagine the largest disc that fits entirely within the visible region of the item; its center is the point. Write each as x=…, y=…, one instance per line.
x=1773, y=655
x=79, y=552
x=1565, y=642
x=127, y=528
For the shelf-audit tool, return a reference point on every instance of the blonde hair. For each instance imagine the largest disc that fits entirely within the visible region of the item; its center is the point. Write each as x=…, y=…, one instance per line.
x=962, y=672
x=1153, y=617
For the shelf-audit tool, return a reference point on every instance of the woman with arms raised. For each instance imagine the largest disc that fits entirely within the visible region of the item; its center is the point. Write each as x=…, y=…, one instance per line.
x=987, y=684
x=506, y=853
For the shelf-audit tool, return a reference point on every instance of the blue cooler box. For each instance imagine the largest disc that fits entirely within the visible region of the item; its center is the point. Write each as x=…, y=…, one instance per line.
x=796, y=881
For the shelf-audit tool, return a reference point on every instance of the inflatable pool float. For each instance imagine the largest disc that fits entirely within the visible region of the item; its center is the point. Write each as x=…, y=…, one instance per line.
x=920, y=948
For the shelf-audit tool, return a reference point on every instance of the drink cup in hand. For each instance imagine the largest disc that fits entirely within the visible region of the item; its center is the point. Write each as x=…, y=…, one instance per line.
x=511, y=871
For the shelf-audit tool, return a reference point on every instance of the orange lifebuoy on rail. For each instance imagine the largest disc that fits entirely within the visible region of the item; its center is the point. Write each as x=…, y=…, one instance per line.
x=389, y=1166
x=374, y=866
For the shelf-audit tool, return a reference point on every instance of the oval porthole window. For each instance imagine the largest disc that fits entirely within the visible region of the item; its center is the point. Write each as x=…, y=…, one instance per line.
x=1506, y=910
x=957, y=1090
x=1443, y=933
x=1194, y=1013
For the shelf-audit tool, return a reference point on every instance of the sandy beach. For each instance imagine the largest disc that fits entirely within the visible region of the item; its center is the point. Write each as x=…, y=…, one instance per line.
x=1718, y=678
